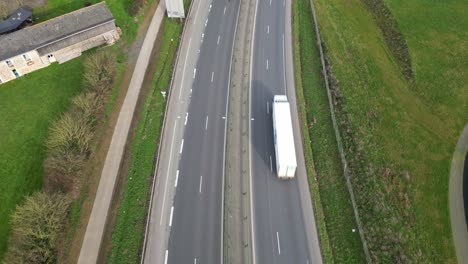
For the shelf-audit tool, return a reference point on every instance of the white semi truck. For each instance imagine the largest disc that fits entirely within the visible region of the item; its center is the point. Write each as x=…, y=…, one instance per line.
x=284, y=139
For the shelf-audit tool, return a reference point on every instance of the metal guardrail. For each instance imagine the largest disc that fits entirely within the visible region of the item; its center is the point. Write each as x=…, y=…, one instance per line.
x=338, y=139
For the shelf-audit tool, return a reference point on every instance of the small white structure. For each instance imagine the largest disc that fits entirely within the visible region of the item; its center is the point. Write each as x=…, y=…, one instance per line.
x=285, y=152
x=175, y=8
x=56, y=40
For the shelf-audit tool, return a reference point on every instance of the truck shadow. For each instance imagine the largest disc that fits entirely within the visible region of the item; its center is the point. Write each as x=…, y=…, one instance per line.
x=261, y=131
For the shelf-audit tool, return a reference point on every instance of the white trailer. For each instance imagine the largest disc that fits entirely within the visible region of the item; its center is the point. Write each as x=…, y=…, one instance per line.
x=284, y=139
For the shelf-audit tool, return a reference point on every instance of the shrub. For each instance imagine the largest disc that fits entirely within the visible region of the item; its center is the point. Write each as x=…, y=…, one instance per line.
x=100, y=71
x=71, y=133
x=87, y=105
x=61, y=169
x=36, y=223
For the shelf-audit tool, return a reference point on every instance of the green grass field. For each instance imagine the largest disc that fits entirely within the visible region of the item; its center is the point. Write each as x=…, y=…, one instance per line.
x=29, y=104
x=401, y=133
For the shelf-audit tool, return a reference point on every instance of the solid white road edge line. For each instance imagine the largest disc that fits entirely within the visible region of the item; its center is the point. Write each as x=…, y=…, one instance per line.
x=185, y=65
x=196, y=13
x=167, y=175
x=252, y=225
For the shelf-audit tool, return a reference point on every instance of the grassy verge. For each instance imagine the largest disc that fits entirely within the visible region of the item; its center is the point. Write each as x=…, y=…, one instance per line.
x=131, y=215
x=399, y=135
x=29, y=104
x=332, y=204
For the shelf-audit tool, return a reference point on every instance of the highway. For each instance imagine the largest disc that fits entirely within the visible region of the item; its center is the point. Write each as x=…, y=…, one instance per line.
x=185, y=222
x=283, y=223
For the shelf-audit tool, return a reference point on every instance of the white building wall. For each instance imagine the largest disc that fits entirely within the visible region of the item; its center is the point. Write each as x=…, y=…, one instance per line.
x=21, y=64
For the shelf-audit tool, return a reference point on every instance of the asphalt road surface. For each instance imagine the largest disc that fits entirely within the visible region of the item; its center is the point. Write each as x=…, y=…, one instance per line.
x=186, y=218
x=283, y=225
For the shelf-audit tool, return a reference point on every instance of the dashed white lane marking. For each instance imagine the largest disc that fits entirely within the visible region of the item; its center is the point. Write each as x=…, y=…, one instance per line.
x=271, y=164
x=185, y=65
x=186, y=117
x=267, y=64
x=181, y=146
x=165, y=258
x=217, y=43
x=206, y=123
x=212, y=76
x=170, y=218
x=176, y=178
x=202, y=37
x=194, y=72
x=270, y=2
x=224, y=12
x=201, y=182
x=268, y=107
x=167, y=176
x=279, y=246
x=268, y=29
x=206, y=22
x=195, y=261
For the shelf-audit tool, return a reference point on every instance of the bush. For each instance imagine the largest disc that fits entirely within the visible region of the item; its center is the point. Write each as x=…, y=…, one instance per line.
x=36, y=225
x=71, y=133
x=100, y=71
x=87, y=105
x=61, y=169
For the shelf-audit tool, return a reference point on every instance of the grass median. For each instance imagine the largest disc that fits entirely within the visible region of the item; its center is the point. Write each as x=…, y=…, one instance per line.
x=332, y=204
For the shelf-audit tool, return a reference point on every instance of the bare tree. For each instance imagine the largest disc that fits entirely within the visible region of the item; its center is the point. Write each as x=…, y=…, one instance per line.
x=100, y=71
x=36, y=223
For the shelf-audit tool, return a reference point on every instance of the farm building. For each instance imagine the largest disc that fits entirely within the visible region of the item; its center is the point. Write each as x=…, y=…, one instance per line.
x=57, y=40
